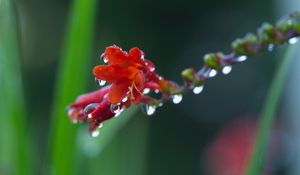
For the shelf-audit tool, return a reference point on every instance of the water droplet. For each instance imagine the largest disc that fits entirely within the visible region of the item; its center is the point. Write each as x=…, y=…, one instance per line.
x=270, y=47
x=226, y=69
x=100, y=125
x=90, y=116
x=293, y=40
x=96, y=132
x=241, y=58
x=160, y=104
x=100, y=82
x=212, y=73
x=115, y=108
x=124, y=99
x=156, y=91
x=119, y=112
x=149, y=109
x=90, y=108
x=74, y=121
x=198, y=89
x=103, y=59
x=146, y=91
x=177, y=98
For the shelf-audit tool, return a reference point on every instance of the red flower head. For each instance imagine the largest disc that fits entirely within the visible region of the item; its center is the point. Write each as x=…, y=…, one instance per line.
x=130, y=75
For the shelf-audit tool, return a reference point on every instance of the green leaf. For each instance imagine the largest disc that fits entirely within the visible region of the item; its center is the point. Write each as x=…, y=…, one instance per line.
x=269, y=112
x=14, y=149
x=72, y=79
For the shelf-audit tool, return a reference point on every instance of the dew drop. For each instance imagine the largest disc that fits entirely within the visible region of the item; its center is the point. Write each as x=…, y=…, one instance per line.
x=90, y=108
x=160, y=104
x=90, y=116
x=198, y=89
x=148, y=109
x=124, y=99
x=103, y=59
x=146, y=91
x=96, y=132
x=156, y=91
x=115, y=108
x=119, y=112
x=241, y=58
x=293, y=40
x=212, y=73
x=226, y=69
x=270, y=47
x=177, y=98
x=74, y=121
x=100, y=125
x=100, y=82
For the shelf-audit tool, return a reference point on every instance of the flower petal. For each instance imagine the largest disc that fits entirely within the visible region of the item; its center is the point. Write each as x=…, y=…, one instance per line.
x=115, y=55
x=118, y=91
x=136, y=54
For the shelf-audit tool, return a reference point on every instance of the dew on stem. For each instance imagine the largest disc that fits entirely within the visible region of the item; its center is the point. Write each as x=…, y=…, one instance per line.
x=293, y=40
x=177, y=98
x=226, y=69
x=148, y=109
x=198, y=89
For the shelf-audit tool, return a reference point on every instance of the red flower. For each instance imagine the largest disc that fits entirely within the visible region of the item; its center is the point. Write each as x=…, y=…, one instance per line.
x=92, y=107
x=129, y=74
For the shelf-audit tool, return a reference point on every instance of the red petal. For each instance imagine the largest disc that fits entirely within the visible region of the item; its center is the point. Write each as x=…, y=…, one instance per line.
x=136, y=53
x=117, y=92
x=115, y=55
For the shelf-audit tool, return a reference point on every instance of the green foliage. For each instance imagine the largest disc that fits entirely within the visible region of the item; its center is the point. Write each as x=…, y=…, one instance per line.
x=71, y=81
x=269, y=112
x=14, y=149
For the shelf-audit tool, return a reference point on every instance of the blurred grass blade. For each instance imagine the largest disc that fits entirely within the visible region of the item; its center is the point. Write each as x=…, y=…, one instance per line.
x=14, y=149
x=269, y=112
x=126, y=152
x=72, y=79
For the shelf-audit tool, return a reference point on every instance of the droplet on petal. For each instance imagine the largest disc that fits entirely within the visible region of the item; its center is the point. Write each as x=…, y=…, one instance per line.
x=119, y=112
x=103, y=59
x=100, y=82
x=156, y=91
x=177, y=98
x=241, y=58
x=148, y=109
x=90, y=108
x=146, y=91
x=124, y=99
x=95, y=133
x=115, y=108
x=293, y=40
x=198, y=89
x=100, y=125
x=226, y=69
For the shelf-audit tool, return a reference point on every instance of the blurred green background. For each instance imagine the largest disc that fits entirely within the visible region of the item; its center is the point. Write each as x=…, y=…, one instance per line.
x=174, y=35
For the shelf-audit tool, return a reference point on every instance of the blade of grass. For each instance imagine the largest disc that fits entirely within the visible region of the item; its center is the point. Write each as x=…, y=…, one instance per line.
x=14, y=149
x=269, y=112
x=71, y=81
x=126, y=153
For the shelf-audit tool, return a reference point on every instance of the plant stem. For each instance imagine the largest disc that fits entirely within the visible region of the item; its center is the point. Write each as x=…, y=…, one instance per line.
x=255, y=165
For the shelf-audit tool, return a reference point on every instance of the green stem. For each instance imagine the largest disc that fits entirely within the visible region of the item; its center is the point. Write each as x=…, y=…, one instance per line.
x=255, y=165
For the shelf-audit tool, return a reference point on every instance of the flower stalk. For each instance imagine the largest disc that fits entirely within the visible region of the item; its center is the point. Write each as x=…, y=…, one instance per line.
x=133, y=77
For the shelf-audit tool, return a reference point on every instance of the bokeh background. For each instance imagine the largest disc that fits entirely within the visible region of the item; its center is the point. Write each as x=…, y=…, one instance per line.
x=178, y=139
